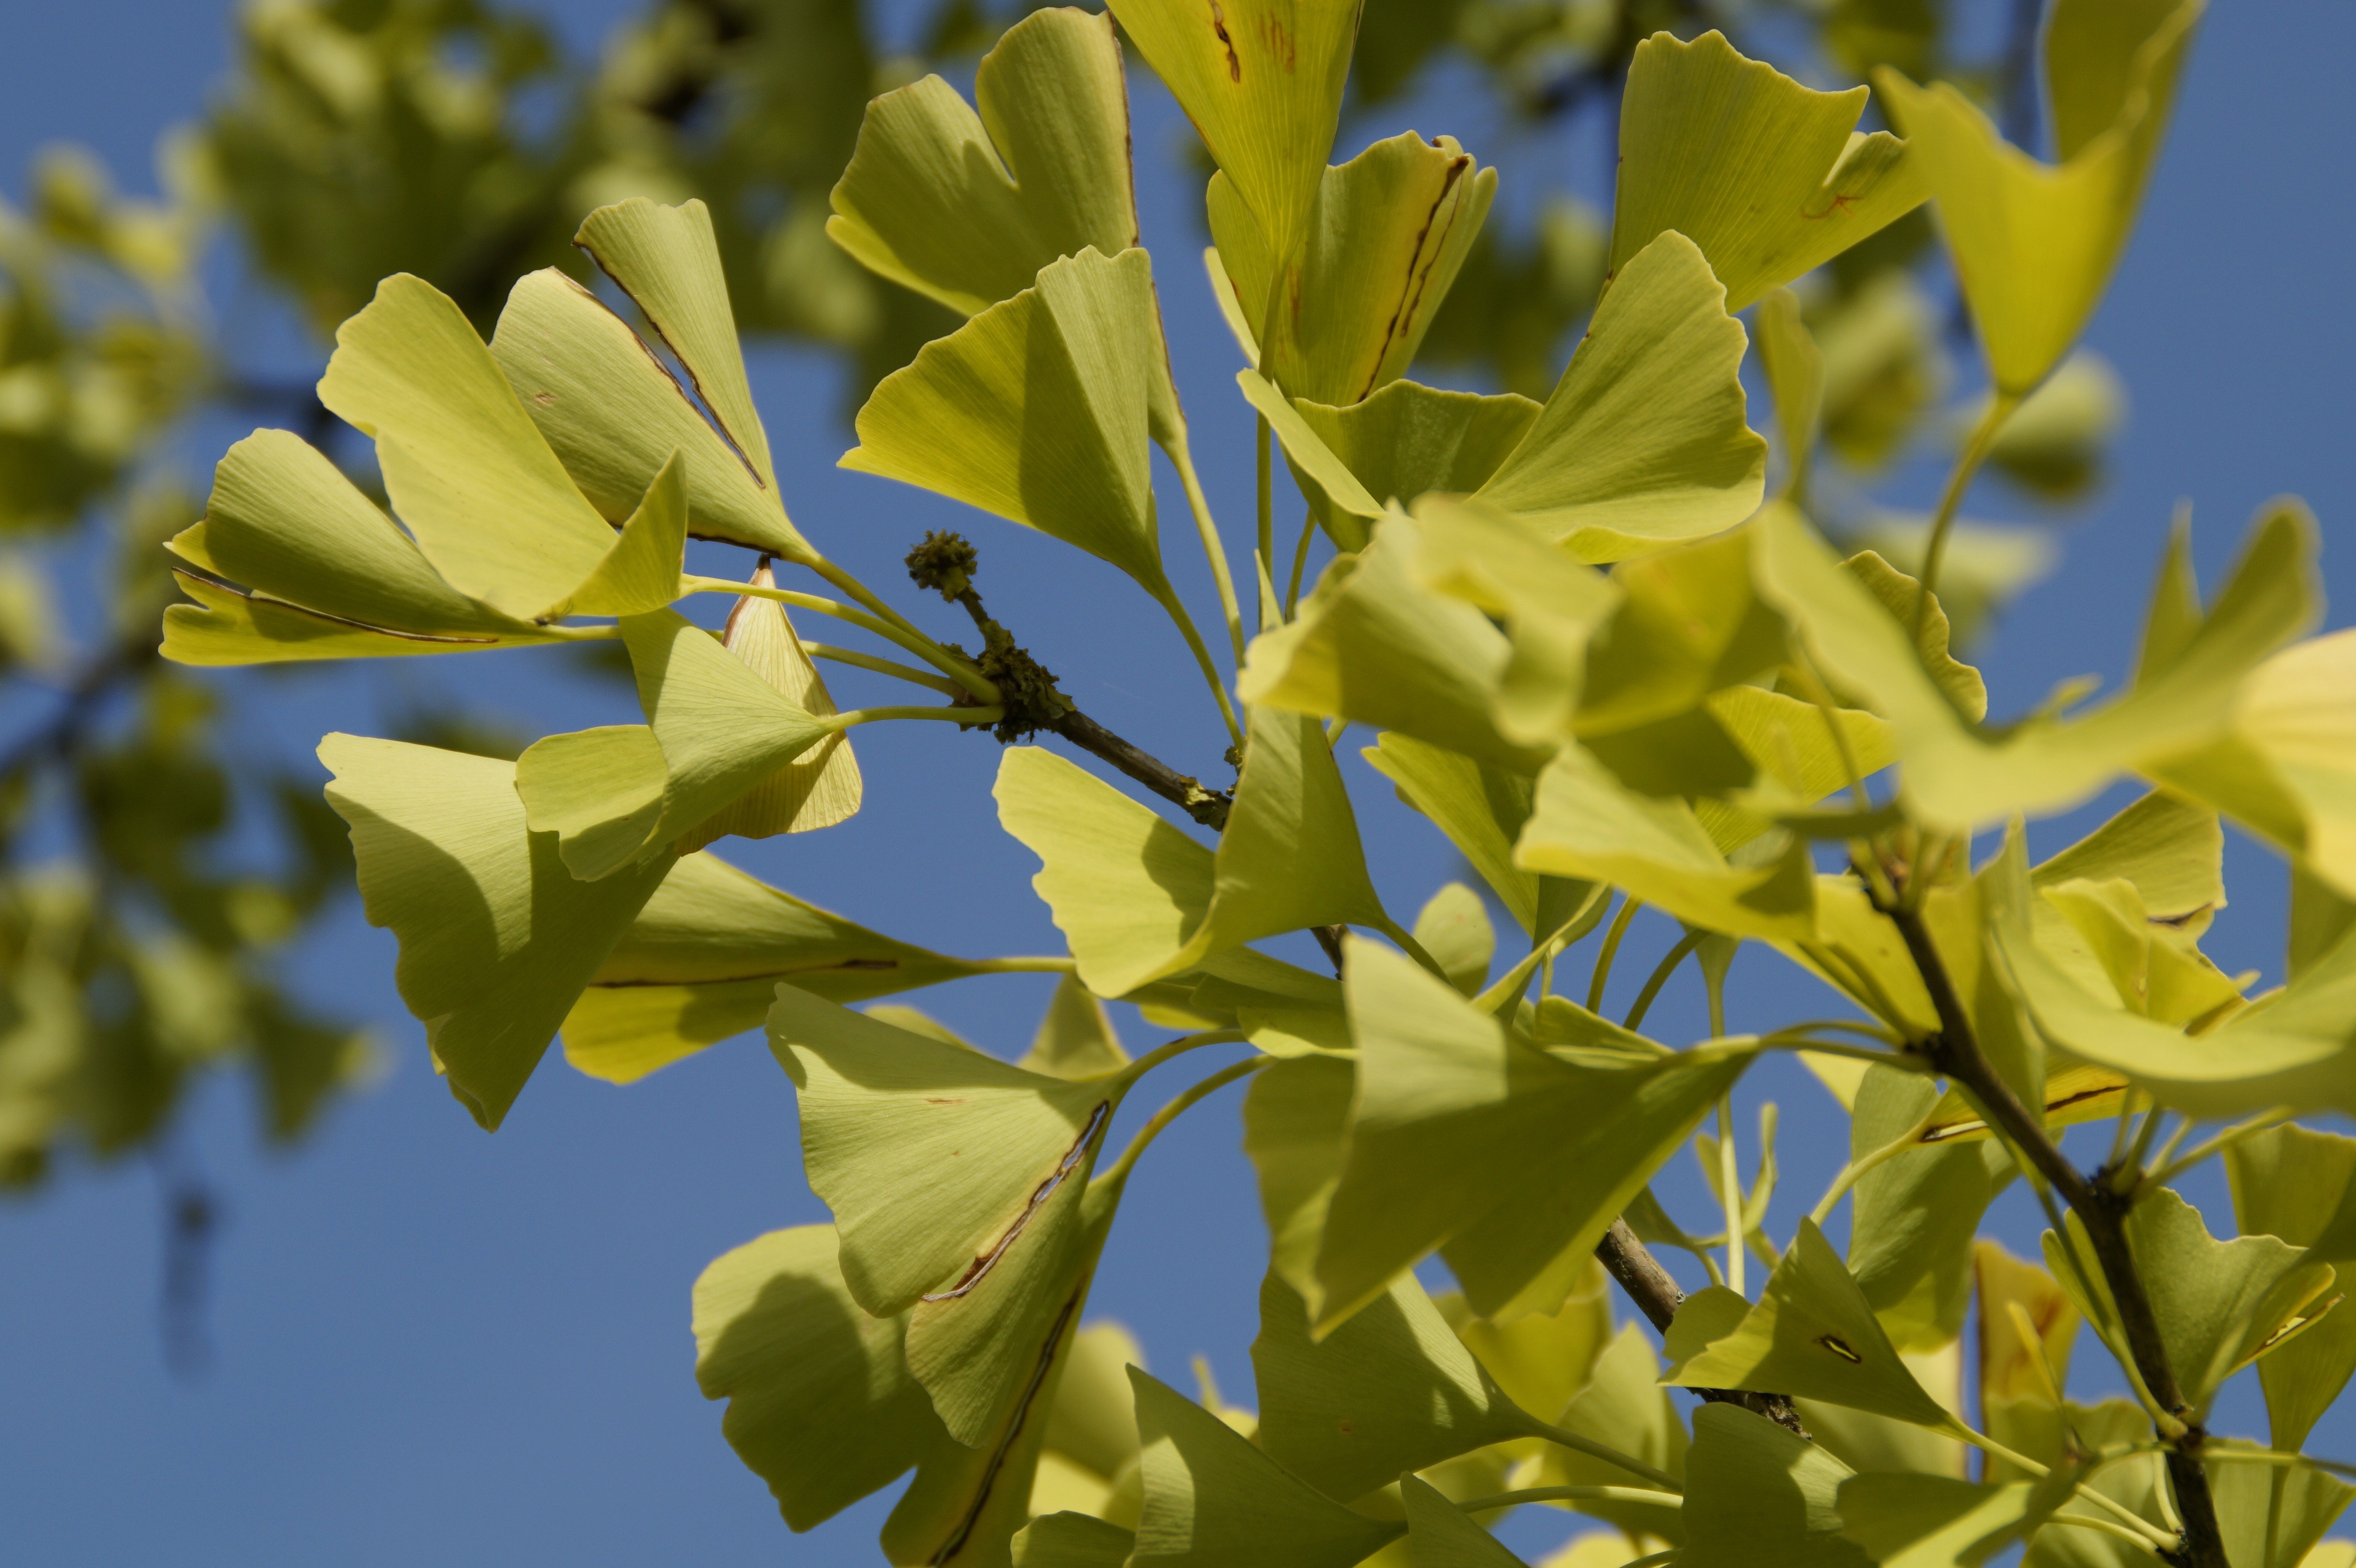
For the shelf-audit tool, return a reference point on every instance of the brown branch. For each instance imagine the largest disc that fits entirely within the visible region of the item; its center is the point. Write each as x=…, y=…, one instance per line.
x=1656, y=1296
x=1955, y=1052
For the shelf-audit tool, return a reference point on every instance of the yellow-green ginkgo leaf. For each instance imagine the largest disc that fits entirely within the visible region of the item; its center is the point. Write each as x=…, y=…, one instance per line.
x=2295, y=1184
x=1453, y=927
x=1642, y=443
x=2275, y=1518
x=703, y=959
x=1811, y=1333
x=614, y=414
x=1941, y=1521
x=1390, y=1390
x=1296, y=1118
x=643, y=571
x=1540, y=1361
x=2218, y=1304
x=1125, y=887
x=1262, y=81
x=1586, y=824
x=2152, y=973
x=1482, y=810
x=1796, y=375
x=1440, y=1534
x=2027, y=1328
x=820, y=1403
x=715, y=729
x=1768, y=177
x=1408, y=440
x=1373, y=644
x=1042, y=409
x=965, y=207
x=496, y=939
x=1066, y=1539
x=1347, y=507
x=1684, y=624
x=1911, y=1228
x=959, y=1186
x=1956, y=778
x=487, y=500
x=1510, y=1158
x=1623, y=1405
x=667, y=261
x=1760, y=1497
x=1384, y=242
x=1090, y=1457
x=1213, y=1499
x=821, y=787
x=1076, y=1040
x=330, y=575
x=2288, y=770
x=2034, y=244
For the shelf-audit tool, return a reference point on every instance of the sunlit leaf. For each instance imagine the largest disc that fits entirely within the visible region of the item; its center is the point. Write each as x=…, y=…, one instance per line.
x=1041, y=408
x=1296, y=1117
x=1439, y=1534
x=1622, y=1404
x=1937, y=1521
x=966, y=207
x=1642, y=443
x=702, y=962
x=1409, y=439
x=1482, y=810
x=1213, y=1499
x=2293, y=1183
x=2034, y=243
x=1261, y=81
x=490, y=505
x=1914, y=1216
x=1768, y=177
x=1542, y=1359
x=1453, y=927
x=1072, y=1541
x=2271, y=1518
x=1510, y=1159
x=1382, y=244
x=1760, y=1497
x=1796, y=375
x=496, y=939
x=2026, y=1327
x=1812, y=1332
x=1076, y=1040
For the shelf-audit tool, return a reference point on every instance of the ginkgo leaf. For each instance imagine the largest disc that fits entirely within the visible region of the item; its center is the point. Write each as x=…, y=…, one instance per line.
x=1261, y=80
x=2150, y=974
x=1041, y=408
x=2034, y=244
x=1374, y=645
x=1349, y=507
x=1440, y=1535
x=489, y=503
x=1811, y=1333
x=997, y=1256
x=1296, y=1118
x=642, y=573
x=1586, y=824
x=2293, y=1183
x=1552, y=607
x=1768, y=177
x=714, y=730
x=1540, y=1361
x=614, y=414
x=702, y=962
x=2284, y=770
x=1760, y=1497
x=1072, y=1541
x=1406, y=440
x=2272, y=1518
x=1963, y=684
x=966, y=207
x=330, y=575
x=2218, y=1305
x=667, y=261
x=1125, y=887
x=1482, y=810
x=1915, y=1214
x=1796, y=375
x=1956, y=778
x=1642, y=443
x=1383, y=243
x=2026, y=1328
x=821, y=787
x=1453, y=927
x=1939, y=1521
x=1510, y=1159
x=496, y=939
x=1622, y=1404
x=1390, y=1390
x=1091, y=1439
x=1076, y=1040
x=821, y=1404
x=1213, y=1499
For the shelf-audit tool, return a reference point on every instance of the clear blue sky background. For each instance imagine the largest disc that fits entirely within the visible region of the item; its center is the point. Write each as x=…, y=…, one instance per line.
x=435, y=1346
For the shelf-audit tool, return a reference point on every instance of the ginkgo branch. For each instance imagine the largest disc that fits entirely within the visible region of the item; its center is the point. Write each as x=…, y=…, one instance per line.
x=1185, y=1099
x=858, y=660
x=1943, y=522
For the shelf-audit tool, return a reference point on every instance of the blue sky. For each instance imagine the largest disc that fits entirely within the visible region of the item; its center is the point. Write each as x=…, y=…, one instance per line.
x=434, y=1345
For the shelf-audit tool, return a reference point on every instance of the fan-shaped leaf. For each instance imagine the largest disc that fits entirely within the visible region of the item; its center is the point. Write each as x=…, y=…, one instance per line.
x=2295, y=1184
x=496, y=939
x=1440, y=1535
x=967, y=208
x=1760, y=1497
x=1408, y=440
